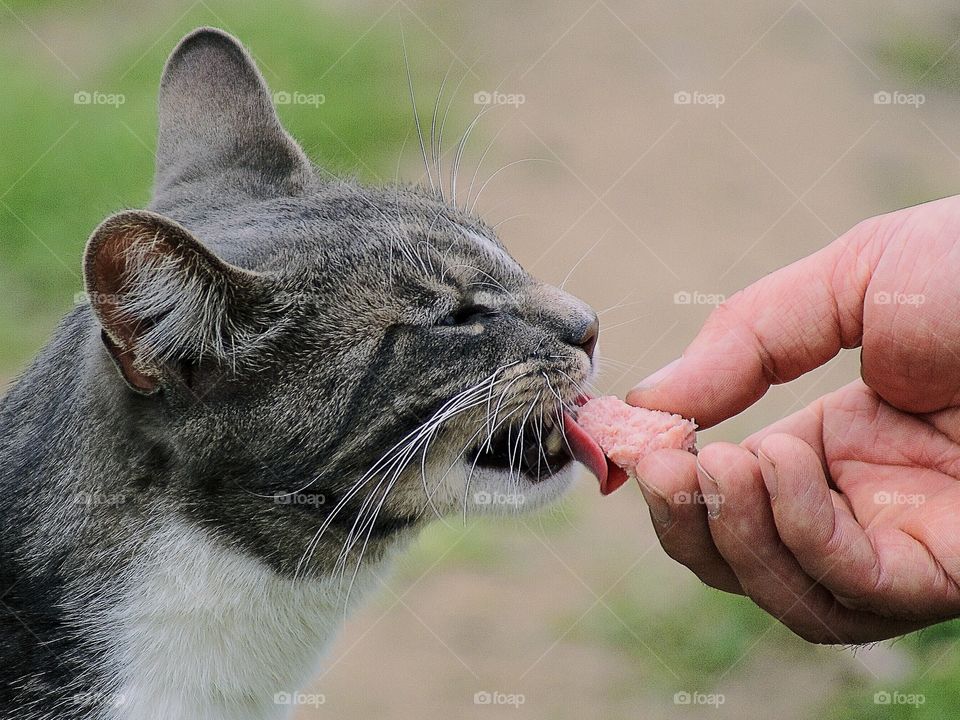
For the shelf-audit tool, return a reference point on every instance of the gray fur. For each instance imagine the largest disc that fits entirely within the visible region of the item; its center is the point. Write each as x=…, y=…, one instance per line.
x=262, y=334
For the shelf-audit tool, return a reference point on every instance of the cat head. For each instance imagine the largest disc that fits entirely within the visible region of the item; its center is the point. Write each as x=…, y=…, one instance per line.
x=288, y=335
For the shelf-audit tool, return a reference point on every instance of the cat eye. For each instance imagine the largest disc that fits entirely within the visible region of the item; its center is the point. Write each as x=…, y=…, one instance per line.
x=466, y=315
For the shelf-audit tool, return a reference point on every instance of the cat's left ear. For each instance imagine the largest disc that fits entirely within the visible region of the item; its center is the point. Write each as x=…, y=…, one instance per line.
x=218, y=125
x=167, y=304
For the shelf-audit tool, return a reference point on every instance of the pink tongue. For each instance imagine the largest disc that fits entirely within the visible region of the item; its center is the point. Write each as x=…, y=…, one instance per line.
x=586, y=451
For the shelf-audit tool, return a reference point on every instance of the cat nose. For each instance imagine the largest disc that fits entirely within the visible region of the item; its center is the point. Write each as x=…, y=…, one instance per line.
x=587, y=339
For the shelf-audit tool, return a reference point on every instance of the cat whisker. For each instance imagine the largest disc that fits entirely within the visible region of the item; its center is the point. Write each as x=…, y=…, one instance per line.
x=541, y=455
x=558, y=412
x=508, y=165
x=523, y=426
x=416, y=114
x=461, y=146
x=434, y=150
x=393, y=472
x=496, y=413
x=370, y=524
x=582, y=258
x=512, y=217
x=363, y=549
x=457, y=458
x=342, y=559
x=458, y=155
x=485, y=445
x=581, y=388
x=397, y=456
x=389, y=476
x=473, y=467
x=443, y=122
x=620, y=305
x=402, y=452
x=616, y=304
x=627, y=322
x=476, y=170
x=614, y=364
x=401, y=240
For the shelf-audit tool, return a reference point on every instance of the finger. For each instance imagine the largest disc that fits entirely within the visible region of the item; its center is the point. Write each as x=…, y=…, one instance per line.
x=806, y=424
x=910, y=324
x=835, y=426
x=773, y=331
x=814, y=524
x=743, y=529
x=897, y=572
x=668, y=481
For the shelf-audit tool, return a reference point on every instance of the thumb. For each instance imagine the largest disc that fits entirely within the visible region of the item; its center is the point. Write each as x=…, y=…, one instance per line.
x=782, y=326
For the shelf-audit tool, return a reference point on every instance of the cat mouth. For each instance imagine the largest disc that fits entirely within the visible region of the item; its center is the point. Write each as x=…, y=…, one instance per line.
x=536, y=450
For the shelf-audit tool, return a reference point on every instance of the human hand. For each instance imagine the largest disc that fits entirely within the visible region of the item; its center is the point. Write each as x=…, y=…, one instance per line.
x=842, y=520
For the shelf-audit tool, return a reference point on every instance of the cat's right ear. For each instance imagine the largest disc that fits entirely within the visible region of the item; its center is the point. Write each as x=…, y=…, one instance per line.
x=218, y=126
x=166, y=303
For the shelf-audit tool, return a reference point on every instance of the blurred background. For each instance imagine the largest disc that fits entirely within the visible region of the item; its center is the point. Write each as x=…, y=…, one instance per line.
x=652, y=156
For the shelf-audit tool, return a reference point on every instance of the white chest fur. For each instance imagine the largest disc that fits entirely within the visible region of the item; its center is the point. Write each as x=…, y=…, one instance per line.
x=207, y=633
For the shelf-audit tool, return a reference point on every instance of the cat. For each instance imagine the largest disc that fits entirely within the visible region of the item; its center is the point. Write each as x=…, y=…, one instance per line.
x=279, y=377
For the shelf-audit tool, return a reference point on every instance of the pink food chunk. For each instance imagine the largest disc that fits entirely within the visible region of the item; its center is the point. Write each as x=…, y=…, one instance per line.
x=627, y=434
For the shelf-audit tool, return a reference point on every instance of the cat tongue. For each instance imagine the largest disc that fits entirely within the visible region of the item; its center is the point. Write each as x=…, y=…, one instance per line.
x=586, y=451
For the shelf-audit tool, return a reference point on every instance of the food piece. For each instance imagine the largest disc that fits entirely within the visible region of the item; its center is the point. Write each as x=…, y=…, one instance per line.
x=627, y=434
x=609, y=432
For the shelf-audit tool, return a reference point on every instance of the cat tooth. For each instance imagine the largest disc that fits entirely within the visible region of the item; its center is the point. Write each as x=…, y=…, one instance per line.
x=554, y=442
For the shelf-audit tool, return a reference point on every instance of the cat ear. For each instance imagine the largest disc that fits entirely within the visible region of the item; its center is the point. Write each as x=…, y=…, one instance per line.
x=166, y=303
x=218, y=123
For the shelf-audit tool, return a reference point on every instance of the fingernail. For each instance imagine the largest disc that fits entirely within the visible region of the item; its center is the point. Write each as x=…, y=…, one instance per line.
x=659, y=376
x=769, y=471
x=711, y=494
x=659, y=507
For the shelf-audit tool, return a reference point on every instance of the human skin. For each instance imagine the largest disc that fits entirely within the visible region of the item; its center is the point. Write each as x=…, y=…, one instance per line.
x=843, y=519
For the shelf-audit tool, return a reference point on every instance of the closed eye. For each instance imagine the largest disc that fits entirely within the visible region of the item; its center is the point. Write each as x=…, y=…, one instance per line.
x=467, y=314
